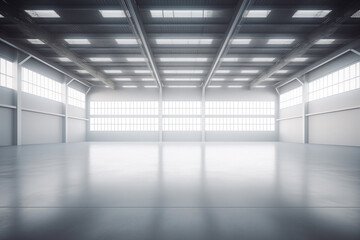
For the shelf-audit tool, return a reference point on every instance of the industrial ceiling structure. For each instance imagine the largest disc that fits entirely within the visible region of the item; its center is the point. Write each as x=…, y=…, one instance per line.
x=188, y=43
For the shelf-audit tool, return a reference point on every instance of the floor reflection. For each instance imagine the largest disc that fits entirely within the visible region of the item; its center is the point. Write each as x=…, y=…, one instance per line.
x=179, y=190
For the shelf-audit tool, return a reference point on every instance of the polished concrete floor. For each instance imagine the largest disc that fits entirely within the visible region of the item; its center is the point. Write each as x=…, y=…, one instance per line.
x=179, y=191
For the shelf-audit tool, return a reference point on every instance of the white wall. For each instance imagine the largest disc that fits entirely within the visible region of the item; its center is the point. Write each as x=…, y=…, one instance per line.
x=337, y=128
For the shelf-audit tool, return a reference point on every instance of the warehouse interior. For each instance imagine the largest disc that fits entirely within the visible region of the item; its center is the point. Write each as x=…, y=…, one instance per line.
x=169, y=119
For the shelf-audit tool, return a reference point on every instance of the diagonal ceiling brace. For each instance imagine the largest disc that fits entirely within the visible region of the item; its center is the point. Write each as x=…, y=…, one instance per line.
x=133, y=16
x=235, y=23
x=26, y=25
x=328, y=27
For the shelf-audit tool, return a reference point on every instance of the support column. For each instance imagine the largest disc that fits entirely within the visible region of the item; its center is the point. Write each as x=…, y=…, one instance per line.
x=203, y=138
x=160, y=114
x=305, y=120
x=66, y=119
x=17, y=80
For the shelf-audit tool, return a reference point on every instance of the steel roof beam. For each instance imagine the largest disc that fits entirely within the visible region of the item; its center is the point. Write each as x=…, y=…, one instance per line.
x=133, y=16
x=234, y=24
x=327, y=28
x=26, y=25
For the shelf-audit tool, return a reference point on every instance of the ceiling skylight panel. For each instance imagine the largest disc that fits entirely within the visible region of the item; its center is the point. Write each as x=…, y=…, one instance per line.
x=129, y=86
x=76, y=41
x=36, y=41
x=230, y=59
x=241, y=79
x=150, y=86
x=300, y=59
x=112, y=71
x=1, y=16
x=100, y=59
x=135, y=59
x=183, y=59
x=240, y=41
x=122, y=79
x=112, y=13
x=325, y=41
x=182, y=79
x=182, y=13
x=263, y=59
x=64, y=59
x=311, y=13
x=218, y=79
x=82, y=71
x=235, y=86
x=42, y=13
x=126, y=41
x=184, y=41
x=142, y=71
x=222, y=71
x=281, y=41
x=147, y=79
x=184, y=71
x=182, y=86
x=250, y=71
x=282, y=71
x=214, y=86
x=256, y=13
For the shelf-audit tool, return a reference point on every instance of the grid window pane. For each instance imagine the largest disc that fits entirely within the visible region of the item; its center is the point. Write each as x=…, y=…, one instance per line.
x=340, y=81
x=39, y=85
x=76, y=98
x=291, y=98
x=128, y=124
x=6, y=73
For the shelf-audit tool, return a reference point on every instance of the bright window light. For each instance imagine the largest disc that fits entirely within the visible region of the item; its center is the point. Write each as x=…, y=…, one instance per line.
x=147, y=79
x=263, y=59
x=182, y=86
x=241, y=41
x=36, y=41
x=282, y=71
x=325, y=41
x=183, y=59
x=40, y=85
x=129, y=86
x=135, y=59
x=82, y=71
x=42, y=13
x=100, y=59
x=291, y=98
x=249, y=71
x=183, y=13
x=256, y=13
x=6, y=73
x=64, y=59
x=112, y=13
x=214, y=86
x=311, y=13
x=281, y=41
x=300, y=59
x=235, y=86
x=112, y=71
x=77, y=41
x=184, y=71
x=76, y=98
x=222, y=71
x=122, y=79
x=241, y=79
x=218, y=79
x=126, y=41
x=356, y=14
x=182, y=79
x=230, y=59
x=142, y=71
x=184, y=41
